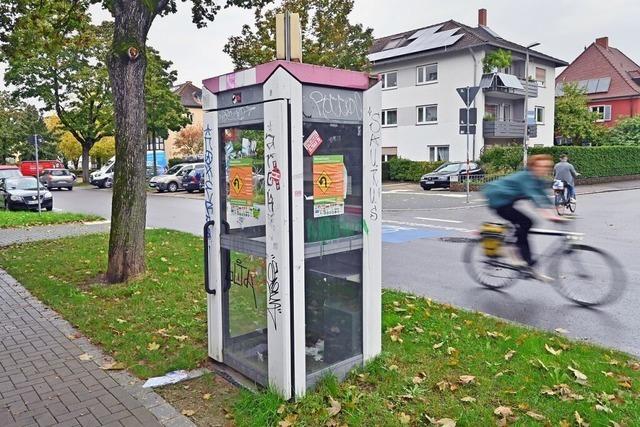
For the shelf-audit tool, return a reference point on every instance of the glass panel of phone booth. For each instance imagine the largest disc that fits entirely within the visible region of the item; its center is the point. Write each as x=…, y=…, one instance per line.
x=333, y=246
x=243, y=251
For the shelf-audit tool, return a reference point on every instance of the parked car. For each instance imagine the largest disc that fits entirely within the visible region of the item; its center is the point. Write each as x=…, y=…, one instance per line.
x=22, y=194
x=194, y=180
x=103, y=178
x=172, y=180
x=57, y=178
x=28, y=167
x=9, y=171
x=441, y=177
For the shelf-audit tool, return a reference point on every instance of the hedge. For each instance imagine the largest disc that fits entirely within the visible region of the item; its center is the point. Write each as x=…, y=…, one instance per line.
x=589, y=161
x=399, y=169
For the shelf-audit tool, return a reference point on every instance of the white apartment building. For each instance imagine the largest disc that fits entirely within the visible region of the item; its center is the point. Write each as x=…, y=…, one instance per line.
x=421, y=70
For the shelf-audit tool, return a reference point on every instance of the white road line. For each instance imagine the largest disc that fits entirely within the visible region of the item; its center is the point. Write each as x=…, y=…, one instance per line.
x=418, y=224
x=453, y=221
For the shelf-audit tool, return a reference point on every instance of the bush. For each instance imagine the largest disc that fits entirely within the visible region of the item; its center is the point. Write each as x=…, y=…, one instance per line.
x=409, y=170
x=385, y=171
x=589, y=161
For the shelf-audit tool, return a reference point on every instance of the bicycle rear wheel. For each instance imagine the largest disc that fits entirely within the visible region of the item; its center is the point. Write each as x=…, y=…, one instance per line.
x=572, y=206
x=490, y=272
x=587, y=276
x=559, y=202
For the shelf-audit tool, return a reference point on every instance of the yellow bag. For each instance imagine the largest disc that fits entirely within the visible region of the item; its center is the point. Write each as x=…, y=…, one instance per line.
x=492, y=235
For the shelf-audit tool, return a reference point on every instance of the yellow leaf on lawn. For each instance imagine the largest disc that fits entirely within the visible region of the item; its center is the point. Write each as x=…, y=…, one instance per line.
x=466, y=379
x=153, y=346
x=393, y=367
x=451, y=350
x=281, y=409
x=404, y=418
x=438, y=345
x=635, y=366
x=180, y=337
x=113, y=366
x=603, y=408
x=579, y=420
x=446, y=422
x=580, y=377
x=509, y=354
x=468, y=399
x=503, y=411
x=121, y=321
x=85, y=357
x=288, y=421
x=607, y=374
x=206, y=396
x=418, y=329
x=417, y=380
x=536, y=416
x=188, y=412
x=552, y=350
x=335, y=407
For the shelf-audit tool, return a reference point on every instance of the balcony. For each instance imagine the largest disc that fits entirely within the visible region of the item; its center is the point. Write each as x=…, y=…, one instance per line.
x=507, y=86
x=502, y=129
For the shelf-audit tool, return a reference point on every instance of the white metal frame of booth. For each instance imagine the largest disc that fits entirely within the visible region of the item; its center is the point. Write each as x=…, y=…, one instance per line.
x=286, y=99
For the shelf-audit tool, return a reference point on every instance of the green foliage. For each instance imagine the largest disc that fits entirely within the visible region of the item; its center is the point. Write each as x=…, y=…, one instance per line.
x=104, y=149
x=409, y=170
x=385, y=171
x=573, y=119
x=328, y=38
x=626, y=132
x=589, y=161
x=18, y=120
x=496, y=60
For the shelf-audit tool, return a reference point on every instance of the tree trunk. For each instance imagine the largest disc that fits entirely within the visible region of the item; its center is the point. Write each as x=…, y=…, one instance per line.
x=127, y=66
x=86, y=160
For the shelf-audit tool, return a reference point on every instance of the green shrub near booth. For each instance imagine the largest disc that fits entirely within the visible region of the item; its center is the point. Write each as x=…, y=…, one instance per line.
x=399, y=169
x=599, y=161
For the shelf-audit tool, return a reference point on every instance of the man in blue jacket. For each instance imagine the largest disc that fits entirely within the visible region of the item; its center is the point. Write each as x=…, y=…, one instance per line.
x=528, y=184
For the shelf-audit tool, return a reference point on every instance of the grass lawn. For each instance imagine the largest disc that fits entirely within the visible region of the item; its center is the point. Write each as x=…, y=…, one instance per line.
x=11, y=219
x=438, y=362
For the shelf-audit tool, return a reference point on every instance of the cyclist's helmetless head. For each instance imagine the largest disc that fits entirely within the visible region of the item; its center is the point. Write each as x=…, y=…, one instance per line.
x=540, y=165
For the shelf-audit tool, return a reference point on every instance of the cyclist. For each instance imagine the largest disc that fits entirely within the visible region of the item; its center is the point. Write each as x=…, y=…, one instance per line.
x=528, y=184
x=565, y=172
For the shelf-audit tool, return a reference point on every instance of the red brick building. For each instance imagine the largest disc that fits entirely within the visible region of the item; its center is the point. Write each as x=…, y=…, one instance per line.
x=610, y=78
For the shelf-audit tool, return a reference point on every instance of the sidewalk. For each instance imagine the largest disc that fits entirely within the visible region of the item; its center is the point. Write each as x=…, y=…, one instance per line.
x=11, y=236
x=608, y=187
x=43, y=380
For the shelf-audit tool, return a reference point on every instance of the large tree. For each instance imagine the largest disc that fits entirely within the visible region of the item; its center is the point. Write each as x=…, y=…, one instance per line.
x=16, y=121
x=626, y=132
x=328, y=38
x=190, y=141
x=573, y=119
x=56, y=55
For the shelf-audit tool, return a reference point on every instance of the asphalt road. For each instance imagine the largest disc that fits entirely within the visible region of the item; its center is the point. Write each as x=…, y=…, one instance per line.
x=422, y=251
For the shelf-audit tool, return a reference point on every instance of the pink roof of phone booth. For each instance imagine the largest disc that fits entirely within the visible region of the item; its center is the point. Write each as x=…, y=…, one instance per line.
x=305, y=73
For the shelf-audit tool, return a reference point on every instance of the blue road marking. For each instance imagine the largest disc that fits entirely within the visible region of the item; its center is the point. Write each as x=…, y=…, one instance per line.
x=392, y=234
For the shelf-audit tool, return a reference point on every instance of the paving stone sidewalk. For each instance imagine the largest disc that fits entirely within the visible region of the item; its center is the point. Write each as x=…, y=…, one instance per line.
x=11, y=236
x=43, y=382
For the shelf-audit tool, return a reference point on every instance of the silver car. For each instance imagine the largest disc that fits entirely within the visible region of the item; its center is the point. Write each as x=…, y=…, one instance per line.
x=57, y=178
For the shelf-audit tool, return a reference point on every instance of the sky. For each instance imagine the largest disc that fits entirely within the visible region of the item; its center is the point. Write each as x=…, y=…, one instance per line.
x=562, y=27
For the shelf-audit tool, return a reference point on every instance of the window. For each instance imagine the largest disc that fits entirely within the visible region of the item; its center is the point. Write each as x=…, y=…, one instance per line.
x=427, y=74
x=390, y=117
x=539, y=115
x=389, y=80
x=604, y=112
x=541, y=76
x=427, y=114
x=439, y=153
x=506, y=112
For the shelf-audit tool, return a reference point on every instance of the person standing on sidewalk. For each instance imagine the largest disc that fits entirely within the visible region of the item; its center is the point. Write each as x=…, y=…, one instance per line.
x=565, y=172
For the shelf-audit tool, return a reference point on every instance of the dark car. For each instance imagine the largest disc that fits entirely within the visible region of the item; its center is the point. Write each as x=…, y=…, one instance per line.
x=194, y=180
x=22, y=194
x=441, y=177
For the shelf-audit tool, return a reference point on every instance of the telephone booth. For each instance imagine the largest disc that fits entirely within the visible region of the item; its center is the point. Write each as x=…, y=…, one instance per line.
x=293, y=209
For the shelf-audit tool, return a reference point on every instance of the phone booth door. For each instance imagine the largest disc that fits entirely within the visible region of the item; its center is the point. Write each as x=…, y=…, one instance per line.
x=242, y=249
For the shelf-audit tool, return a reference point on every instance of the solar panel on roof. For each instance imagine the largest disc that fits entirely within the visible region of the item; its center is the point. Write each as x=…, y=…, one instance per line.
x=592, y=85
x=603, y=84
x=425, y=39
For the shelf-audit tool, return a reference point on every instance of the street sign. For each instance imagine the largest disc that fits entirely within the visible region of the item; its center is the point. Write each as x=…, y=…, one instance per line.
x=463, y=130
x=473, y=116
x=33, y=139
x=468, y=98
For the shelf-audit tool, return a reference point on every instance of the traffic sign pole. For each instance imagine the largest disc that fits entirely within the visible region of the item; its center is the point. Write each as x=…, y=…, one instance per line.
x=468, y=102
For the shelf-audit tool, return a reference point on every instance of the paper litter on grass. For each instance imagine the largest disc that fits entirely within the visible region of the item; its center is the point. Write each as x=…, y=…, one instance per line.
x=170, y=378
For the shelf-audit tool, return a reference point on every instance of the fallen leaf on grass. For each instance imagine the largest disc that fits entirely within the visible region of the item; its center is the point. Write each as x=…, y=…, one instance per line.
x=206, y=396
x=288, y=421
x=503, y=411
x=579, y=420
x=188, y=412
x=404, y=418
x=607, y=374
x=468, y=399
x=635, y=366
x=85, y=357
x=438, y=345
x=509, y=355
x=466, y=379
x=580, y=377
x=417, y=380
x=153, y=346
x=563, y=391
x=335, y=407
x=113, y=366
x=536, y=416
x=603, y=408
x=561, y=331
x=281, y=409
x=394, y=333
x=121, y=321
x=181, y=337
x=552, y=350
x=418, y=329
x=393, y=367
x=446, y=422
x=444, y=385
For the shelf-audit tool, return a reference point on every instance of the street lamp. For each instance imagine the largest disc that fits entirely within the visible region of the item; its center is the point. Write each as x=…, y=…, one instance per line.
x=525, y=139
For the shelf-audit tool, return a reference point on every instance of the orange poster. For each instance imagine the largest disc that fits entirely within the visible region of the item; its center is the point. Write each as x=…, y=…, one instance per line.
x=328, y=179
x=241, y=182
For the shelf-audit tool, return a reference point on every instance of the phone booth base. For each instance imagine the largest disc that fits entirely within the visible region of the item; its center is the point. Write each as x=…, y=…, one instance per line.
x=293, y=207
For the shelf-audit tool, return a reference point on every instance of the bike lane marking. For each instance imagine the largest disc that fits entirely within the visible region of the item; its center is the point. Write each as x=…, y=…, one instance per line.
x=434, y=226
x=453, y=221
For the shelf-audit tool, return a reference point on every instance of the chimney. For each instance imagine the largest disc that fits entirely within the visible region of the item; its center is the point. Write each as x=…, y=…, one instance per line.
x=603, y=41
x=482, y=17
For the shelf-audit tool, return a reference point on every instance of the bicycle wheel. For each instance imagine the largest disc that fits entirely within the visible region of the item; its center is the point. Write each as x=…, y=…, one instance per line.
x=587, y=276
x=571, y=205
x=559, y=202
x=490, y=272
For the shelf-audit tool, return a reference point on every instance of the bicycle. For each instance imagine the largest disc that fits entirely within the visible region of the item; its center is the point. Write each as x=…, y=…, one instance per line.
x=562, y=201
x=585, y=275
